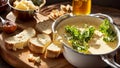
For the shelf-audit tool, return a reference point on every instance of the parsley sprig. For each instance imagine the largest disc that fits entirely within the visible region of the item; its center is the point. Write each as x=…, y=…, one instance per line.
x=106, y=29
x=78, y=39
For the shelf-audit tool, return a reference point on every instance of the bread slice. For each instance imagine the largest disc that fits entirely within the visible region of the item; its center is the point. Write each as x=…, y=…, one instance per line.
x=53, y=50
x=44, y=27
x=39, y=43
x=20, y=40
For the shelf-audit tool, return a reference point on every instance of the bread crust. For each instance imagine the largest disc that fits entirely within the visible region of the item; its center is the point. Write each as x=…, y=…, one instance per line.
x=20, y=40
x=38, y=46
x=36, y=49
x=53, y=51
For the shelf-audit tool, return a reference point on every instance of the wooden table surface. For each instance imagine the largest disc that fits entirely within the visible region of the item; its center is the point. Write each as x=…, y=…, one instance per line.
x=114, y=13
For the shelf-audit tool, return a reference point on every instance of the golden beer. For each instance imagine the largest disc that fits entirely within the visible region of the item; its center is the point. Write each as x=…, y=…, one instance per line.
x=81, y=7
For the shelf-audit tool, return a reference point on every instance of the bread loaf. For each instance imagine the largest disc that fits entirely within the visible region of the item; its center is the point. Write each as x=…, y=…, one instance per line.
x=20, y=40
x=39, y=43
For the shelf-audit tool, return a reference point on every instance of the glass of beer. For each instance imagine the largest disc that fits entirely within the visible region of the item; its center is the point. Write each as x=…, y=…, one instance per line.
x=81, y=7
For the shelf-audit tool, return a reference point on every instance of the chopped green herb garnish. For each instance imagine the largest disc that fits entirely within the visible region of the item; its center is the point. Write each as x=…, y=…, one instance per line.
x=78, y=39
x=106, y=29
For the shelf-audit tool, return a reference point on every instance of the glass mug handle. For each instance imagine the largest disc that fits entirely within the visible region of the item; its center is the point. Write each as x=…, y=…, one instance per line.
x=109, y=59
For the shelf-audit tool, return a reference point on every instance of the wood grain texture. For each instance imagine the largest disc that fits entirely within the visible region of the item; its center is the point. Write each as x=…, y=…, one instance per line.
x=19, y=58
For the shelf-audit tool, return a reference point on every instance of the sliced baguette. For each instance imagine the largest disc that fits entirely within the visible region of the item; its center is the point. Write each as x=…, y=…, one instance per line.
x=39, y=43
x=19, y=41
x=53, y=50
x=44, y=27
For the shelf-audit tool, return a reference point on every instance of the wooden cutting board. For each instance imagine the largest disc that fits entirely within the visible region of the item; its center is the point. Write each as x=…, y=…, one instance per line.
x=19, y=58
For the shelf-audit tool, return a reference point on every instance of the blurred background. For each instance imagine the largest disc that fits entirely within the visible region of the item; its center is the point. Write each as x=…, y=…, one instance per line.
x=106, y=3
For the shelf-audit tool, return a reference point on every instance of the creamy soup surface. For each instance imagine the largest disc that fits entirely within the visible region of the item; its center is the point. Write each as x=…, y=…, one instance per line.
x=97, y=45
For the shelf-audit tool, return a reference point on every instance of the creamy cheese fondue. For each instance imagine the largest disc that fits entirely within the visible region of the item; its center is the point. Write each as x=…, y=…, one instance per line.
x=97, y=45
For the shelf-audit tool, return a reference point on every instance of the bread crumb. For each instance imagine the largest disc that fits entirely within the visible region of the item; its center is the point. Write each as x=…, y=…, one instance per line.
x=34, y=59
x=54, y=14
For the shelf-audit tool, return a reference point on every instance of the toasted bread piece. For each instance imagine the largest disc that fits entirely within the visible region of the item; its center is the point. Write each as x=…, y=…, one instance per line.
x=39, y=43
x=19, y=41
x=59, y=44
x=44, y=27
x=34, y=59
x=35, y=46
x=53, y=50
